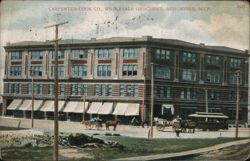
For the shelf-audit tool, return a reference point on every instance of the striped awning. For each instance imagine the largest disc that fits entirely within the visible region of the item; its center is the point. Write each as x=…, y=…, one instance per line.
x=37, y=105
x=80, y=107
x=94, y=108
x=132, y=109
x=70, y=107
x=14, y=104
x=106, y=109
x=120, y=109
x=49, y=106
x=25, y=105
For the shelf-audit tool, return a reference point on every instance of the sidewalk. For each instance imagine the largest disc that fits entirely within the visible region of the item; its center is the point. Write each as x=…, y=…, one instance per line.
x=185, y=153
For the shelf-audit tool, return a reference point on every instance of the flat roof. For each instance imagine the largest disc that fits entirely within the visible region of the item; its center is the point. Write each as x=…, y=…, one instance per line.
x=120, y=40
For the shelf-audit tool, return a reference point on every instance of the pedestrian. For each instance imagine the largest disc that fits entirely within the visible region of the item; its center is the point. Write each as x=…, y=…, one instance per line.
x=177, y=131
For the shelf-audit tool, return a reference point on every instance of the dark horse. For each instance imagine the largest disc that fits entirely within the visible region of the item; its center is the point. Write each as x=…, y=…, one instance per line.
x=111, y=123
x=187, y=124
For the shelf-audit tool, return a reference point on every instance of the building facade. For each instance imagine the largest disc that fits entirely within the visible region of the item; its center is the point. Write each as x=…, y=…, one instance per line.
x=117, y=72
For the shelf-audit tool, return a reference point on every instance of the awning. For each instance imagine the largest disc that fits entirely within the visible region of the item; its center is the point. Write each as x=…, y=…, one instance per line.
x=37, y=105
x=208, y=116
x=93, y=109
x=26, y=105
x=106, y=109
x=49, y=106
x=167, y=106
x=80, y=107
x=120, y=109
x=14, y=104
x=132, y=109
x=70, y=107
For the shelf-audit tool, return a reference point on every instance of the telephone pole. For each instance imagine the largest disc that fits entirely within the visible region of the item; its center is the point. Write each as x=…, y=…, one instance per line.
x=237, y=103
x=56, y=129
x=32, y=105
x=152, y=100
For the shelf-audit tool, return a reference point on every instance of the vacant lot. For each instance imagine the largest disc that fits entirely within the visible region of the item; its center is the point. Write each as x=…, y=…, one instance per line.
x=132, y=147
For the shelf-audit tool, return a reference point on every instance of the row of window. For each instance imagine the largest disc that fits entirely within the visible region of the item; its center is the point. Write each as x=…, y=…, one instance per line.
x=77, y=89
x=125, y=90
x=128, y=70
x=131, y=53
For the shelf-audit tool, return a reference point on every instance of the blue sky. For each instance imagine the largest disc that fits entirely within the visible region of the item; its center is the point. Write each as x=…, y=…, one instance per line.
x=224, y=23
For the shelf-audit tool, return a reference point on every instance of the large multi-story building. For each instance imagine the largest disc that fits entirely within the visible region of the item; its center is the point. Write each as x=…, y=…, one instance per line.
x=112, y=76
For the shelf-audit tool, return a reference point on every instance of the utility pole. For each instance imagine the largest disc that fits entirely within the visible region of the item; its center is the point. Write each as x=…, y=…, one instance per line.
x=32, y=105
x=56, y=129
x=84, y=101
x=237, y=103
x=144, y=97
x=206, y=100
x=152, y=100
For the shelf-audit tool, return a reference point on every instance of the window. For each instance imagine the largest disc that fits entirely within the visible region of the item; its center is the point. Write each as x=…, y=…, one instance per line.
x=60, y=71
x=136, y=90
x=35, y=89
x=36, y=55
x=103, y=90
x=104, y=70
x=130, y=52
x=165, y=92
x=80, y=54
x=15, y=70
x=129, y=70
x=36, y=71
x=232, y=95
x=232, y=79
x=109, y=90
x=105, y=53
x=188, y=57
x=162, y=54
x=30, y=88
x=213, y=60
x=85, y=89
x=189, y=74
x=97, y=90
x=76, y=89
x=16, y=55
x=213, y=77
x=122, y=91
x=14, y=88
x=129, y=90
x=61, y=54
x=39, y=89
x=50, y=89
x=62, y=89
x=162, y=72
x=213, y=94
x=79, y=70
x=235, y=63
x=188, y=93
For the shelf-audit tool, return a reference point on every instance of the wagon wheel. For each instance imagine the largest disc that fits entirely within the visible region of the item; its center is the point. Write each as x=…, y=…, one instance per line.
x=160, y=127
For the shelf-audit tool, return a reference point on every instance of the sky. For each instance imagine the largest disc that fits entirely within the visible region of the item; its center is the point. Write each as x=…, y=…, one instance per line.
x=221, y=23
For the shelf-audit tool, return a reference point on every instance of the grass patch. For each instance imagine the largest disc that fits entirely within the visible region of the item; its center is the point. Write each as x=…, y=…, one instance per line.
x=132, y=147
x=3, y=128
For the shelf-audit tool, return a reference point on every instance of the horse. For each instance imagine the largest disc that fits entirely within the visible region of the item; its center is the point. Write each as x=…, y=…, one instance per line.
x=112, y=123
x=190, y=125
x=91, y=124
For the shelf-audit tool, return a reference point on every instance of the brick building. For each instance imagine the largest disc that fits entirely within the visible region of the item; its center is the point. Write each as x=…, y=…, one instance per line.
x=107, y=77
